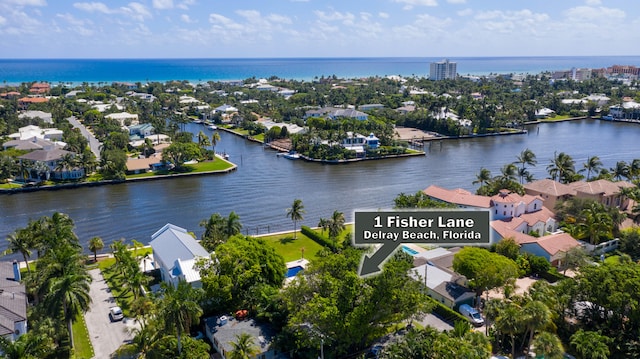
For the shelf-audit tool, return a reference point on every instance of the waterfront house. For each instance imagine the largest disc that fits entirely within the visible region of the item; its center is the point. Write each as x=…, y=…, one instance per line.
x=629, y=110
x=224, y=330
x=13, y=302
x=225, y=109
x=603, y=191
x=44, y=165
x=460, y=197
x=544, y=113
x=141, y=131
x=347, y=113
x=549, y=190
x=175, y=252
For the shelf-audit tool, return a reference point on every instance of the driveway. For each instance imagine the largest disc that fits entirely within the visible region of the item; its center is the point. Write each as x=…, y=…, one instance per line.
x=94, y=144
x=435, y=322
x=105, y=336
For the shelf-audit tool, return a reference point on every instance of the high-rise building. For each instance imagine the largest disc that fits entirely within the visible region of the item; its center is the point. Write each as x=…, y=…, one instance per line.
x=442, y=70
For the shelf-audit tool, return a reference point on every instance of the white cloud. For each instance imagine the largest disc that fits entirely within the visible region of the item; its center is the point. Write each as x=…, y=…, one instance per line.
x=137, y=11
x=587, y=13
x=28, y=2
x=186, y=19
x=383, y=15
x=457, y=1
x=184, y=5
x=335, y=16
x=409, y=4
x=2, y=20
x=279, y=19
x=93, y=7
x=162, y=4
x=593, y=2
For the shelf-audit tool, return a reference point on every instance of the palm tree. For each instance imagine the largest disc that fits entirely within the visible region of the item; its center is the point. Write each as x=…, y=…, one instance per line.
x=66, y=283
x=27, y=346
x=561, y=168
x=548, y=345
x=336, y=226
x=620, y=170
x=536, y=315
x=203, y=140
x=96, y=244
x=295, y=213
x=213, y=231
x=179, y=308
x=323, y=224
x=232, y=225
x=20, y=241
x=526, y=157
x=509, y=322
x=593, y=164
x=483, y=177
x=243, y=348
x=215, y=138
x=591, y=345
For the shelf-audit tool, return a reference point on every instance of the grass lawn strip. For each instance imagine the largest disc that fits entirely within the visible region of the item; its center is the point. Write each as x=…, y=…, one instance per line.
x=82, y=343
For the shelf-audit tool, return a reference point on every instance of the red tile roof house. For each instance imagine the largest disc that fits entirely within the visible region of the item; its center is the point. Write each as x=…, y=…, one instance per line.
x=603, y=191
x=40, y=88
x=515, y=216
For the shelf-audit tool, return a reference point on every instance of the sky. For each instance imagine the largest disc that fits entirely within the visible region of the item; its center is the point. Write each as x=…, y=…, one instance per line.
x=317, y=28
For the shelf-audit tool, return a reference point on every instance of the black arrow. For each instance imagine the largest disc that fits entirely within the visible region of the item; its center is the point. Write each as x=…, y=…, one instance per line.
x=371, y=264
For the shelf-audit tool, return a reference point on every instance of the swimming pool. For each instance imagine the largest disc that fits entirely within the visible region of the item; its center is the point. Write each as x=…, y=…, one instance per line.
x=410, y=251
x=291, y=272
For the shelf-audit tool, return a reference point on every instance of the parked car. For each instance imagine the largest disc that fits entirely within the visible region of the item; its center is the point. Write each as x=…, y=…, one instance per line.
x=115, y=314
x=472, y=315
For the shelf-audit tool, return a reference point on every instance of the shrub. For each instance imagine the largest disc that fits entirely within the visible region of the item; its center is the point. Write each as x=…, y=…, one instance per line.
x=316, y=237
x=445, y=312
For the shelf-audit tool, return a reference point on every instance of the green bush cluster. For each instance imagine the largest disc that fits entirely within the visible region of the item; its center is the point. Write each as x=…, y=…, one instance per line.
x=316, y=237
x=445, y=312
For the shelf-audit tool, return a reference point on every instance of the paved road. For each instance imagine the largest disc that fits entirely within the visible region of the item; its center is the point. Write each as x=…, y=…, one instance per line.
x=105, y=336
x=94, y=144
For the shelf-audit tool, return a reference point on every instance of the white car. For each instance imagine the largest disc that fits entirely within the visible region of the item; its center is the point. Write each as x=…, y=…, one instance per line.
x=115, y=314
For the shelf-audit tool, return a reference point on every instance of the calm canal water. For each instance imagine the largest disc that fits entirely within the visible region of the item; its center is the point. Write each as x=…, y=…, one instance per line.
x=265, y=185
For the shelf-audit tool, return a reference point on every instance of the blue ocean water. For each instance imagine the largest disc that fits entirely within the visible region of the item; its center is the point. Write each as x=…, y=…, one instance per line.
x=15, y=71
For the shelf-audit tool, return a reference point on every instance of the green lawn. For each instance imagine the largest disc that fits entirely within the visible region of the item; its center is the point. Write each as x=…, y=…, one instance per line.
x=115, y=280
x=291, y=249
x=9, y=185
x=207, y=166
x=82, y=343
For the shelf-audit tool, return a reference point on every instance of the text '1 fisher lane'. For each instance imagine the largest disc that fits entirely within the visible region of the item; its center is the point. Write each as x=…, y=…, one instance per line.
x=391, y=229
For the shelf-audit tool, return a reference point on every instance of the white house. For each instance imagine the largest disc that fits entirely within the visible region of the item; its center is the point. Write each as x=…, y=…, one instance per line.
x=175, y=253
x=44, y=116
x=31, y=131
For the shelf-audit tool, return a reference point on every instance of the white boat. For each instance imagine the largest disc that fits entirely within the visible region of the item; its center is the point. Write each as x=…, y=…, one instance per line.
x=212, y=127
x=197, y=121
x=291, y=155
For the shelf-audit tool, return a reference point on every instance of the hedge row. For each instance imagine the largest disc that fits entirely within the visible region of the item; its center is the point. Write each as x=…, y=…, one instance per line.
x=317, y=237
x=446, y=313
x=552, y=275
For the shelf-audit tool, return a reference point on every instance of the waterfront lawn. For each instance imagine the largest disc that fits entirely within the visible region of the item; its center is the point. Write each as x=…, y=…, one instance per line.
x=9, y=185
x=290, y=249
x=207, y=166
x=82, y=344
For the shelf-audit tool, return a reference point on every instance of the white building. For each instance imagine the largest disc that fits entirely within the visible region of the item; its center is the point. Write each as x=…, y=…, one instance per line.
x=442, y=70
x=31, y=131
x=123, y=118
x=175, y=253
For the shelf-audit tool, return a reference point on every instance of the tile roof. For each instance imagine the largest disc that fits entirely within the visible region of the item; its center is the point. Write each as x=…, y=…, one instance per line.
x=457, y=196
x=134, y=164
x=601, y=187
x=34, y=99
x=506, y=230
x=559, y=242
x=542, y=215
x=550, y=187
x=505, y=196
